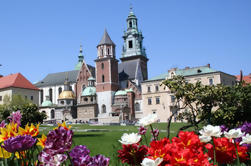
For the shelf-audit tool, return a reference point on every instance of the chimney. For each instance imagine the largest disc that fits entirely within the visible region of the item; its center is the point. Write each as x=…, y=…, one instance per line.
x=208, y=65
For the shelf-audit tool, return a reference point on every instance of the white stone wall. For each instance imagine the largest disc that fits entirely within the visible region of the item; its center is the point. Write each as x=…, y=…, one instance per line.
x=5, y=92
x=25, y=93
x=139, y=114
x=55, y=93
x=163, y=110
x=105, y=98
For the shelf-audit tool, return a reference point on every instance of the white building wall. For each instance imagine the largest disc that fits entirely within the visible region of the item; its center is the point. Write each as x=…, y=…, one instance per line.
x=105, y=98
x=55, y=91
x=5, y=92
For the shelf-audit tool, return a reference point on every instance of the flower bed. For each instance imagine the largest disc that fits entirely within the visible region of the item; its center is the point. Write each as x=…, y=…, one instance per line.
x=214, y=146
x=20, y=146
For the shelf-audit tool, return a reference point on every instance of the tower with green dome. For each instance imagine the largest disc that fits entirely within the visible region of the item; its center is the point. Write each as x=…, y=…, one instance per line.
x=133, y=58
x=80, y=59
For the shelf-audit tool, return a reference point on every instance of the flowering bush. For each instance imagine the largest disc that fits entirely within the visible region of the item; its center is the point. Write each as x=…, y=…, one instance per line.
x=19, y=146
x=189, y=149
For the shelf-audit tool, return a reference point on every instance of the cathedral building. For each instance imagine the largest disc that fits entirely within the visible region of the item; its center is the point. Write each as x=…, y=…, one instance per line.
x=110, y=92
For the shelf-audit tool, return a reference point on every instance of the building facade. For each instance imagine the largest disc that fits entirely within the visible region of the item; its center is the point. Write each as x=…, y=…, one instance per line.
x=159, y=100
x=107, y=93
x=17, y=84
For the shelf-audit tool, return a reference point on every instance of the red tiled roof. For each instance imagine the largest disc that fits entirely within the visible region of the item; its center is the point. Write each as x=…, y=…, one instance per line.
x=246, y=79
x=16, y=80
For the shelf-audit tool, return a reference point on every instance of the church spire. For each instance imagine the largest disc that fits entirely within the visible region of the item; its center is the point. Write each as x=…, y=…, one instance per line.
x=80, y=58
x=106, y=39
x=132, y=20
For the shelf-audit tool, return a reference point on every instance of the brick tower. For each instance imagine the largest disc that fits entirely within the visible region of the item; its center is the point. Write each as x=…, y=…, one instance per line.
x=106, y=76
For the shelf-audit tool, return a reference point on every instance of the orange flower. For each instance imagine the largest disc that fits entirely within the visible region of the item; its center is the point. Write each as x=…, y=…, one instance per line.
x=9, y=131
x=63, y=125
x=29, y=130
x=42, y=140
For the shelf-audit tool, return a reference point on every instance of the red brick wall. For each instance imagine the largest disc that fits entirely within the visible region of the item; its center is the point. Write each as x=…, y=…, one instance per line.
x=111, y=79
x=82, y=79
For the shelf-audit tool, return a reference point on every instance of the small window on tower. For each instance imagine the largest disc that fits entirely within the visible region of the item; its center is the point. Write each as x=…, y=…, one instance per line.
x=102, y=65
x=130, y=24
x=103, y=78
x=108, y=51
x=130, y=43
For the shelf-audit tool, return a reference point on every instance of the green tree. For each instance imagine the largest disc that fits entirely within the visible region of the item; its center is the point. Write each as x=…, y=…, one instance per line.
x=29, y=111
x=214, y=104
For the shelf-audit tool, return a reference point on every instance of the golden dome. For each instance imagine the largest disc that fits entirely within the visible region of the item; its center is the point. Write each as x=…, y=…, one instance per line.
x=66, y=95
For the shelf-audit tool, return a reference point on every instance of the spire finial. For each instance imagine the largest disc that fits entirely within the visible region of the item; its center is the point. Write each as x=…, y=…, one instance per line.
x=131, y=7
x=81, y=48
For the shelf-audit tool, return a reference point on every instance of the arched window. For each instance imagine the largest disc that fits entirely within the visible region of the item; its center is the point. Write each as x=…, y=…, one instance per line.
x=41, y=96
x=108, y=51
x=102, y=66
x=50, y=94
x=59, y=90
x=103, y=78
x=103, y=108
x=130, y=24
x=102, y=52
x=137, y=107
x=52, y=114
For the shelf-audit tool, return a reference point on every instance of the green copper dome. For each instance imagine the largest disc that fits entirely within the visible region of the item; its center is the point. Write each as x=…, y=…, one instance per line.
x=91, y=79
x=129, y=90
x=89, y=91
x=47, y=103
x=120, y=92
x=78, y=66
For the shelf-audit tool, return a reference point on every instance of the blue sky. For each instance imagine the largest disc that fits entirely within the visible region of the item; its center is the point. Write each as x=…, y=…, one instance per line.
x=41, y=37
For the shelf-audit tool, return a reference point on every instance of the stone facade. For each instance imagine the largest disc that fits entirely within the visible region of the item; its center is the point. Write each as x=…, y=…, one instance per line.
x=159, y=100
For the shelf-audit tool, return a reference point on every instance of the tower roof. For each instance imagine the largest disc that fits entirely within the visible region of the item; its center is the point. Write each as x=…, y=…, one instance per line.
x=106, y=39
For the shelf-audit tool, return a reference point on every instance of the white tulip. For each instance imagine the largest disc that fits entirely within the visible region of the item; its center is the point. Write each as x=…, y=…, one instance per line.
x=128, y=139
x=150, y=162
x=204, y=138
x=212, y=131
x=246, y=139
x=233, y=133
x=149, y=119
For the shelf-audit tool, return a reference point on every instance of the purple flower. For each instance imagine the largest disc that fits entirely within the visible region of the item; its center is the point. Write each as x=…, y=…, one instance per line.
x=19, y=143
x=51, y=160
x=99, y=160
x=223, y=128
x=58, y=141
x=79, y=151
x=246, y=127
x=142, y=130
x=15, y=117
x=80, y=155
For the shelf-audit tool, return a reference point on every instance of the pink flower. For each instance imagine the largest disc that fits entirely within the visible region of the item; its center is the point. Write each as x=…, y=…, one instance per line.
x=142, y=130
x=15, y=117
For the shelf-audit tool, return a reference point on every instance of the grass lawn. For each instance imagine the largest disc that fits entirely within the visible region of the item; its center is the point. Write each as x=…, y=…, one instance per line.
x=104, y=139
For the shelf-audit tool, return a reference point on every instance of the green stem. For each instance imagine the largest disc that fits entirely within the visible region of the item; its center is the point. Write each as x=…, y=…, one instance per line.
x=69, y=158
x=236, y=150
x=214, y=152
x=153, y=132
x=145, y=139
